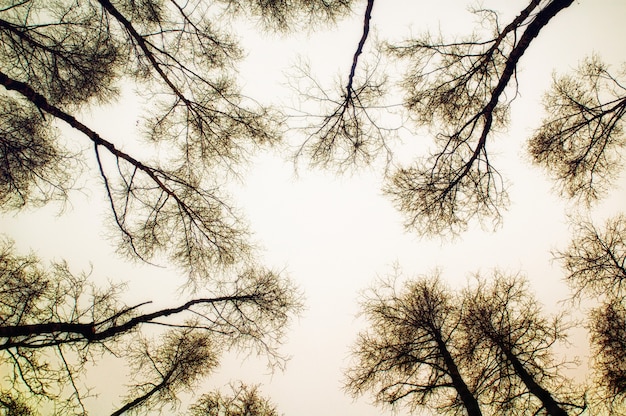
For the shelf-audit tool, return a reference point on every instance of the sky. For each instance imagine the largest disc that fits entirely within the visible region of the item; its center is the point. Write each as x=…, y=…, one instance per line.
x=333, y=235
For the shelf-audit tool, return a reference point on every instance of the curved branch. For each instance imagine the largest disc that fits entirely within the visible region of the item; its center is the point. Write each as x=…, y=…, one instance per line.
x=89, y=331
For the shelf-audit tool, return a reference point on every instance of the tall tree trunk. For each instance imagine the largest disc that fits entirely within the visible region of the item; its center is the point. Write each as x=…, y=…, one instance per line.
x=467, y=397
x=549, y=403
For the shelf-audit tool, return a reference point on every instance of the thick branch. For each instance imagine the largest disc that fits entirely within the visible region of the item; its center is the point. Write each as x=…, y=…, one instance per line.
x=468, y=399
x=531, y=32
x=86, y=330
x=143, y=45
x=359, y=50
x=550, y=404
x=89, y=331
x=43, y=105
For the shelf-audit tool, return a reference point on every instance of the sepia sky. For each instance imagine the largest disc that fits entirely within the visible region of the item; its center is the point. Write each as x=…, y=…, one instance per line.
x=333, y=235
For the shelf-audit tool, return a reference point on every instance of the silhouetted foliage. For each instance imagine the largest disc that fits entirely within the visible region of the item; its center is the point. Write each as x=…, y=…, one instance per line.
x=66, y=54
x=243, y=400
x=410, y=353
x=578, y=142
x=506, y=331
x=595, y=260
x=10, y=406
x=54, y=323
x=33, y=169
x=608, y=337
x=595, y=263
x=61, y=59
x=486, y=350
x=349, y=133
x=462, y=90
x=58, y=57
x=177, y=364
x=346, y=130
x=285, y=14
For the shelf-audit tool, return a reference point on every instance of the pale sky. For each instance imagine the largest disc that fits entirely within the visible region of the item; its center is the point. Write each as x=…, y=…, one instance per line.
x=333, y=235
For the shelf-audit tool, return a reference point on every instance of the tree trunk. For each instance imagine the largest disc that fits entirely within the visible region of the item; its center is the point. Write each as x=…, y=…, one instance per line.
x=549, y=403
x=467, y=397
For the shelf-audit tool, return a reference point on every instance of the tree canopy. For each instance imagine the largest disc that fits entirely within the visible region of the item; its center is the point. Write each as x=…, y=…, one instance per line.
x=56, y=323
x=60, y=59
x=486, y=348
x=462, y=90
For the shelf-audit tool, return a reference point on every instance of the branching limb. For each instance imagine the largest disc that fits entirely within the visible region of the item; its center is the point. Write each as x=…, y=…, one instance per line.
x=460, y=88
x=580, y=140
x=206, y=230
x=348, y=132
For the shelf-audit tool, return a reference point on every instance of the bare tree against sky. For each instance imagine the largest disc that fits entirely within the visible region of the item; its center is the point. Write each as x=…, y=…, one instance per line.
x=243, y=400
x=347, y=129
x=61, y=57
x=582, y=136
x=60, y=60
x=462, y=90
x=488, y=349
x=410, y=352
x=507, y=332
x=182, y=357
x=608, y=337
x=595, y=266
x=54, y=323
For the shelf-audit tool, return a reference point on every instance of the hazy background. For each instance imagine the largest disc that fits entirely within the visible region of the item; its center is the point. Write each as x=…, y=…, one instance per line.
x=333, y=235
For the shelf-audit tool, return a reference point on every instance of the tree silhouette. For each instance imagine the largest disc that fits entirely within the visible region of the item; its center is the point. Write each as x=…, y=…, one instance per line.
x=243, y=401
x=346, y=129
x=595, y=264
x=608, y=336
x=58, y=61
x=595, y=259
x=410, y=353
x=199, y=112
x=579, y=141
x=462, y=90
x=60, y=57
x=485, y=350
x=55, y=323
x=506, y=331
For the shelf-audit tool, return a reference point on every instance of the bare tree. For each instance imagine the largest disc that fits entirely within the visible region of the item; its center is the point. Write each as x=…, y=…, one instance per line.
x=243, y=400
x=488, y=349
x=595, y=261
x=284, y=15
x=595, y=266
x=61, y=57
x=345, y=130
x=580, y=139
x=14, y=406
x=183, y=357
x=506, y=331
x=460, y=89
x=410, y=351
x=54, y=323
